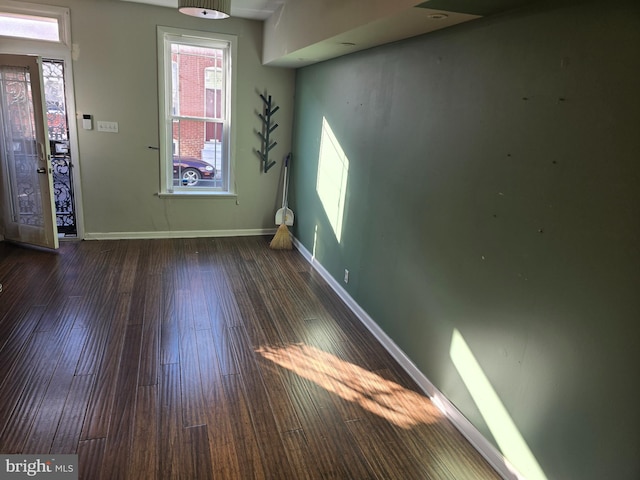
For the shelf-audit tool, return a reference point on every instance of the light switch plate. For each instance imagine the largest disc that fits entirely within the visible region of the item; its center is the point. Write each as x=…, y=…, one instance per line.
x=111, y=127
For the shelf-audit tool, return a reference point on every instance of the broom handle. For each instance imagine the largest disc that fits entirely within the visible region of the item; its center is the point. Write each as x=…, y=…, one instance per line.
x=285, y=187
x=284, y=182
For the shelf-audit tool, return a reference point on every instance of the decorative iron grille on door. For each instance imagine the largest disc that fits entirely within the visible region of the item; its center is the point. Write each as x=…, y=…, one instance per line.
x=53, y=75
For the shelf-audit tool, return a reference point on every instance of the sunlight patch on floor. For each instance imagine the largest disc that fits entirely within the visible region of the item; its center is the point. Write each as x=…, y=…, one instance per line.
x=372, y=392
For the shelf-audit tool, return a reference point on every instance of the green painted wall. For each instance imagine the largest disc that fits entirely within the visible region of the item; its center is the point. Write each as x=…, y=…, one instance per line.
x=493, y=173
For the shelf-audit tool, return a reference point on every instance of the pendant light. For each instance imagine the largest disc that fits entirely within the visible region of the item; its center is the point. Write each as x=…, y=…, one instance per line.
x=213, y=9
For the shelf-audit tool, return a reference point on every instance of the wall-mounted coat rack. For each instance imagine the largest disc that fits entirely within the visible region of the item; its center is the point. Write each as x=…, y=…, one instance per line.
x=267, y=129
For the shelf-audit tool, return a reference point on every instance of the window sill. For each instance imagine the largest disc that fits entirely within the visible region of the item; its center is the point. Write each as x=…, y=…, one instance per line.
x=197, y=195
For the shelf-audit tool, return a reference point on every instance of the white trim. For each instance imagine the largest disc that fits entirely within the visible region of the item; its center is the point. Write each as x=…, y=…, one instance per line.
x=165, y=36
x=470, y=432
x=186, y=194
x=178, y=234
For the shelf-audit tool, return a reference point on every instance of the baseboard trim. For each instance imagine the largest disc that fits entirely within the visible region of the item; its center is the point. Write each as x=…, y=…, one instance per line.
x=470, y=432
x=177, y=234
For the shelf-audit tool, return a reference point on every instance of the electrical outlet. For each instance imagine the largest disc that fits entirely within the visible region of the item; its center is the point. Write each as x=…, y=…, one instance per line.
x=346, y=276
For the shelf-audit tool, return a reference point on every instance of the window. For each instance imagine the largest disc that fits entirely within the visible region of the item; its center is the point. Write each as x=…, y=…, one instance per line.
x=196, y=78
x=27, y=21
x=35, y=28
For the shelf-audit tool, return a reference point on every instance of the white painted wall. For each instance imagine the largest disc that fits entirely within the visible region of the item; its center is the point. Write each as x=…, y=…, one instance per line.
x=303, y=23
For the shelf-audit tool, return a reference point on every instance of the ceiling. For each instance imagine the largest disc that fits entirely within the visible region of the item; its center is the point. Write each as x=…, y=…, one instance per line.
x=251, y=9
x=366, y=27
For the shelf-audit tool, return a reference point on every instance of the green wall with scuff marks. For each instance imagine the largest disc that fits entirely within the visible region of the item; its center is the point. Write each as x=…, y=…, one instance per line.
x=493, y=189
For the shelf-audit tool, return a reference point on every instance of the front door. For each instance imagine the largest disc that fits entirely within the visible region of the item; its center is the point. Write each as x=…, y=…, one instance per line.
x=27, y=212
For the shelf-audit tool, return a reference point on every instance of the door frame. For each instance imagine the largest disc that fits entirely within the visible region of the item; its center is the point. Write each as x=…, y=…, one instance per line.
x=54, y=51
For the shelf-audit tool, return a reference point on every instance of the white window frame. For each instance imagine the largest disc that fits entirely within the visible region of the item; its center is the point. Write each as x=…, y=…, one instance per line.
x=165, y=37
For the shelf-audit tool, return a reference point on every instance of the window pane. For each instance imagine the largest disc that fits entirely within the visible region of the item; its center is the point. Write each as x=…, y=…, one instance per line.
x=194, y=67
x=196, y=72
x=29, y=26
x=197, y=154
x=53, y=76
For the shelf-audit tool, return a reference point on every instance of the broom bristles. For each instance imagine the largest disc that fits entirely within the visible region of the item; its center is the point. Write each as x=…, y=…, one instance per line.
x=282, y=239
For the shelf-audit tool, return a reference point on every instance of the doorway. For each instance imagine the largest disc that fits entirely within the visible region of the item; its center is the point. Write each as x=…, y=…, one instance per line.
x=45, y=31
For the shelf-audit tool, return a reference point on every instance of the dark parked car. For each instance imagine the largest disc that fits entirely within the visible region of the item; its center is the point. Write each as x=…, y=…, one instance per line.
x=189, y=171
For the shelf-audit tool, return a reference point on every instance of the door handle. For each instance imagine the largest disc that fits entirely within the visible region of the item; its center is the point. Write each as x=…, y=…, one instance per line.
x=42, y=170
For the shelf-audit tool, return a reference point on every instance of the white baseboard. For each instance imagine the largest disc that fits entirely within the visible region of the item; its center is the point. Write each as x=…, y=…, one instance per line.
x=177, y=234
x=470, y=432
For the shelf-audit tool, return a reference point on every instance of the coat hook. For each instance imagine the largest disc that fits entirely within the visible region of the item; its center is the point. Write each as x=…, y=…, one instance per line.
x=267, y=129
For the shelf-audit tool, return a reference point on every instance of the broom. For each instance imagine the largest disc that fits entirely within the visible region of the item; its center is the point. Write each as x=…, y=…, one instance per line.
x=282, y=238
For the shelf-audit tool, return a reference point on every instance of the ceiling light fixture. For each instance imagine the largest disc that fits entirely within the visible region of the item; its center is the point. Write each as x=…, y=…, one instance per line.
x=213, y=9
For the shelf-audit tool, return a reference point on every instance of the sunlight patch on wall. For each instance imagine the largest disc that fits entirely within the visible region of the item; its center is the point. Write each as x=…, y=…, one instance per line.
x=315, y=241
x=385, y=398
x=500, y=423
x=333, y=173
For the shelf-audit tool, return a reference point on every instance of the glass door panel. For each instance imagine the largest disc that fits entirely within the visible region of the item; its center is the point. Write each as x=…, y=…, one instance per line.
x=27, y=210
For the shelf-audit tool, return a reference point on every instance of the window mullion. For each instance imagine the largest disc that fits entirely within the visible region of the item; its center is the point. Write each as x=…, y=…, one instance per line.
x=197, y=119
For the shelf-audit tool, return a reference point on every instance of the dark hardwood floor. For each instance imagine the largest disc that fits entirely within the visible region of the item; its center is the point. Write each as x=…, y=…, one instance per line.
x=205, y=359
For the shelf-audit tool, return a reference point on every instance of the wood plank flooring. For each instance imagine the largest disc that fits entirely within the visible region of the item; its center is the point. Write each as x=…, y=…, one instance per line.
x=205, y=359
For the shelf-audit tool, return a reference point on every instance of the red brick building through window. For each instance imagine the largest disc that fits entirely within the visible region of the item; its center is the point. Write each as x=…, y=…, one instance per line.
x=198, y=101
